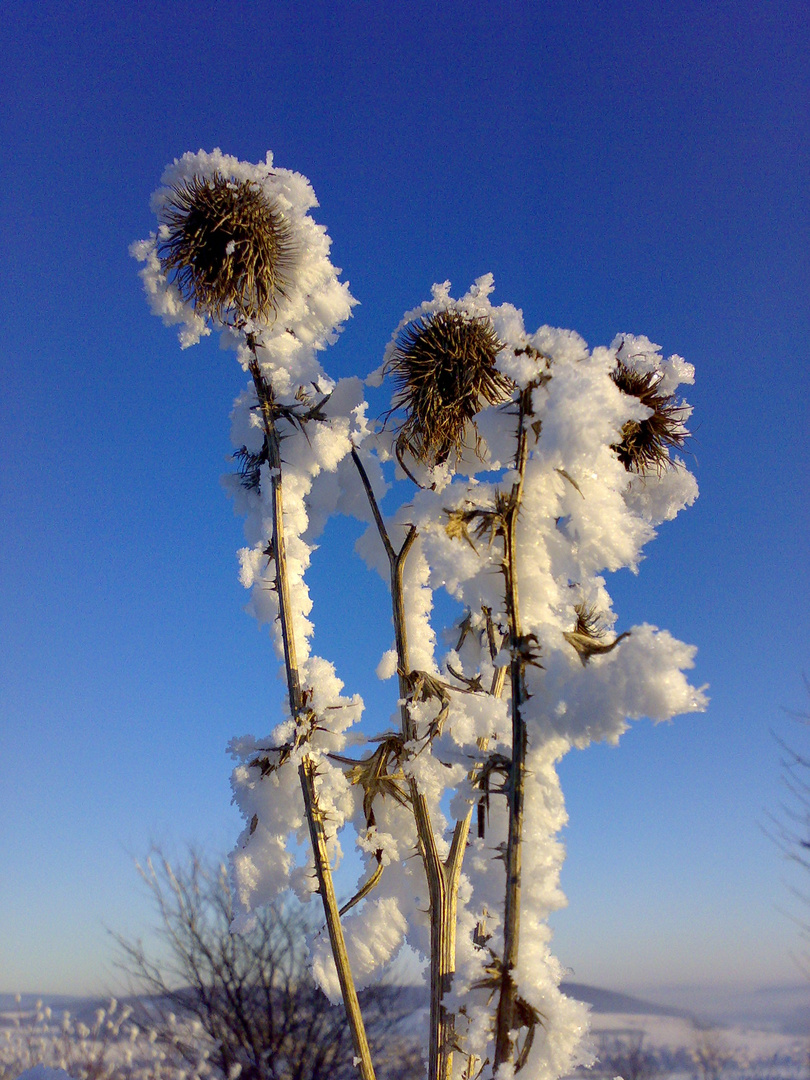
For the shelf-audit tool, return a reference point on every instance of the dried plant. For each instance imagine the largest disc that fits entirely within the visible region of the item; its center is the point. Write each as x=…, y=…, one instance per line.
x=452, y=754
x=227, y=248
x=443, y=368
x=380, y=774
x=646, y=443
x=587, y=636
x=489, y=523
x=525, y=1017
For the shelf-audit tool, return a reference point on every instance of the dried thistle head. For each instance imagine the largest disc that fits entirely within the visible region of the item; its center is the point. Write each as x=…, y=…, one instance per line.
x=227, y=248
x=443, y=369
x=646, y=443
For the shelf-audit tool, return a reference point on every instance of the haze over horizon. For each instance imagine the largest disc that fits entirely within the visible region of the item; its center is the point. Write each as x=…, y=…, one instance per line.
x=619, y=167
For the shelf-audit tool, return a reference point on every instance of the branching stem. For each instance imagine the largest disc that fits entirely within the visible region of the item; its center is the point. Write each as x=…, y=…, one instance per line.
x=442, y=874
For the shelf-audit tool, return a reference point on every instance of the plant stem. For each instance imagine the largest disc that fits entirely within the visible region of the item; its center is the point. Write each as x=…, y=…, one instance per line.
x=504, y=1022
x=306, y=771
x=442, y=874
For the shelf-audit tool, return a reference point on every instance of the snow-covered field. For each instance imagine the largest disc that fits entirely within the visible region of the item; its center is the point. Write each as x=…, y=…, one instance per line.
x=682, y=1033
x=678, y=1047
x=751, y=1038
x=91, y=1041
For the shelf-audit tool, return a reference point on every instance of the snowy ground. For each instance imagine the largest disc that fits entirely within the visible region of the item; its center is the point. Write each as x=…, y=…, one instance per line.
x=683, y=1034
x=678, y=1047
x=749, y=1038
x=93, y=1040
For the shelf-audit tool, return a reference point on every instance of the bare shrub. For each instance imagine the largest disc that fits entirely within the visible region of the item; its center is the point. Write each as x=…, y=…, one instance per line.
x=250, y=994
x=710, y=1053
x=626, y=1056
x=791, y=826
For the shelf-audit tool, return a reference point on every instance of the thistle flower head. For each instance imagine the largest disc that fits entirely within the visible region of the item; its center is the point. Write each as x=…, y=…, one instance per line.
x=646, y=443
x=227, y=248
x=443, y=367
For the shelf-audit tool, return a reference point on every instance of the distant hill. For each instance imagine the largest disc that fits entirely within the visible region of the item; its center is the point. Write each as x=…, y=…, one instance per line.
x=785, y=1009
x=406, y=998
x=62, y=1002
x=80, y=1008
x=609, y=1001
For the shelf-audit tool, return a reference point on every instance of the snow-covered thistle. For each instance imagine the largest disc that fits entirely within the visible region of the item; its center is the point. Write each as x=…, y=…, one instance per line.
x=443, y=369
x=226, y=246
x=646, y=443
x=530, y=465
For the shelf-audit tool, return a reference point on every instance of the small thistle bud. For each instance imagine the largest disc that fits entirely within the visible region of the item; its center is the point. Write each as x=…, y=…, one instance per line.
x=444, y=370
x=226, y=247
x=646, y=443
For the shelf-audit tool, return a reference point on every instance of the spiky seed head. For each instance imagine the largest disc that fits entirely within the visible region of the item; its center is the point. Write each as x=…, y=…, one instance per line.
x=443, y=368
x=646, y=443
x=227, y=248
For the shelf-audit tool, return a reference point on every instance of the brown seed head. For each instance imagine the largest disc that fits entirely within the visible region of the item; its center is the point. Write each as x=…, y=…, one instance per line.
x=646, y=443
x=228, y=248
x=444, y=370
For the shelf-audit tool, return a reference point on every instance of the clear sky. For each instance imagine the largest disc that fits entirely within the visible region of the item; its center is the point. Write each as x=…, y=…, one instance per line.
x=619, y=167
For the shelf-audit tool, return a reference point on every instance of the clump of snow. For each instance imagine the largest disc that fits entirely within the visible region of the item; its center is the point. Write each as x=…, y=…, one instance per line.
x=387, y=667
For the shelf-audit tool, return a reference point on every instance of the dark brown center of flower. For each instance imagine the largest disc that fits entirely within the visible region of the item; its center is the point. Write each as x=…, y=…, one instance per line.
x=228, y=248
x=444, y=370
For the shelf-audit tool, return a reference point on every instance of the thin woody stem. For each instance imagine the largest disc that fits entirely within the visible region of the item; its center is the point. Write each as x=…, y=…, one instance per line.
x=306, y=771
x=504, y=1022
x=442, y=875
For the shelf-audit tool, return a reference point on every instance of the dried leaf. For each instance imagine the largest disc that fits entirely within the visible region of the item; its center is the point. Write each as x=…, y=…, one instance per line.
x=587, y=635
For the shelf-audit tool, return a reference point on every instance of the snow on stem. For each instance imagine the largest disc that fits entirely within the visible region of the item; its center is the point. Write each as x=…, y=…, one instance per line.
x=442, y=874
x=520, y=649
x=298, y=711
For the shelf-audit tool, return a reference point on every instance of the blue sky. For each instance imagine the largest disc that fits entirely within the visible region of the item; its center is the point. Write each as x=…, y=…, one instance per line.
x=618, y=167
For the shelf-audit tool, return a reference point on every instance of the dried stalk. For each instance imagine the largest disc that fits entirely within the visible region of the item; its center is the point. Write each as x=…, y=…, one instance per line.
x=504, y=1021
x=306, y=771
x=442, y=874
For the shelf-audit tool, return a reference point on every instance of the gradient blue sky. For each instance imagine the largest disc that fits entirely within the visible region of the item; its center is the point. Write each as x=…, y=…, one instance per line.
x=619, y=167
